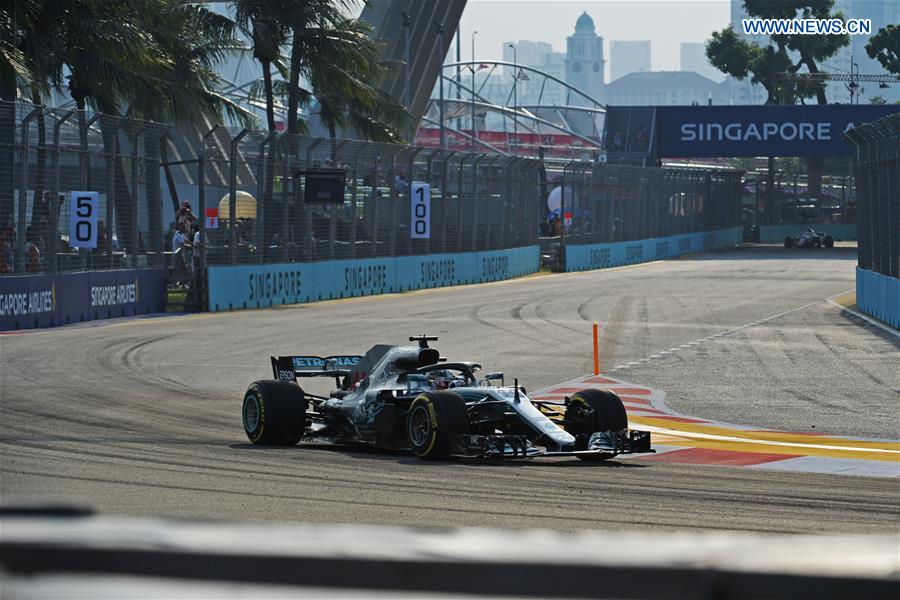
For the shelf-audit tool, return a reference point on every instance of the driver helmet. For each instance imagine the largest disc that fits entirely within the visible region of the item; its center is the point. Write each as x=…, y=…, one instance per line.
x=444, y=379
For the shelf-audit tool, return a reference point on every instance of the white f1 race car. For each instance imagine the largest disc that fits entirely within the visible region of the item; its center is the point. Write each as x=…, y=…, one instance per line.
x=409, y=398
x=809, y=239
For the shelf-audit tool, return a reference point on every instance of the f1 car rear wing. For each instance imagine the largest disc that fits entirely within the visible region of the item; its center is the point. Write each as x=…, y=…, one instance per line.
x=290, y=367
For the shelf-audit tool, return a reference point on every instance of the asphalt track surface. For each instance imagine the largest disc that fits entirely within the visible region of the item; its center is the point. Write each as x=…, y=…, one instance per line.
x=142, y=417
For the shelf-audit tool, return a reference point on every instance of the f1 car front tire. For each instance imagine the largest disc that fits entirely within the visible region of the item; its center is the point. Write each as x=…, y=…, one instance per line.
x=829, y=241
x=590, y=411
x=274, y=412
x=434, y=420
x=789, y=242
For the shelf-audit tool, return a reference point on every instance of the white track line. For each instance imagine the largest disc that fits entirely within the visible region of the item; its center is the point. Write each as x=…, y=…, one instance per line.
x=709, y=338
x=866, y=318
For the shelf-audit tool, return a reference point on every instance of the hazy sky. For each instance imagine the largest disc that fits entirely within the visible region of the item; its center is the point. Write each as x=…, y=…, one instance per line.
x=666, y=23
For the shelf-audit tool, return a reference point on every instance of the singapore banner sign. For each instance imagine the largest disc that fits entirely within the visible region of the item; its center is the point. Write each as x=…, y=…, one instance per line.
x=723, y=131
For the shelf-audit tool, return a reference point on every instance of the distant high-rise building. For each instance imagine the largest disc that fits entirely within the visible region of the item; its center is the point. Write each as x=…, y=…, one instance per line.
x=527, y=53
x=584, y=58
x=693, y=58
x=531, y=89
x=628, y=57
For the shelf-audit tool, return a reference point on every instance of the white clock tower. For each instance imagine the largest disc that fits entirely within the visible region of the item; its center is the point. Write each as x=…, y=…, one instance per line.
x=584, y=59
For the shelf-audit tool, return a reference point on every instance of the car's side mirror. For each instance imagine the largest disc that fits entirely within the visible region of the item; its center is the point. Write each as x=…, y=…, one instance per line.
x=495, y=376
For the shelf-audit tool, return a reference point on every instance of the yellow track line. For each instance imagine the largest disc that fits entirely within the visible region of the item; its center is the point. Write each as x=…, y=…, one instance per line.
x=826, y=447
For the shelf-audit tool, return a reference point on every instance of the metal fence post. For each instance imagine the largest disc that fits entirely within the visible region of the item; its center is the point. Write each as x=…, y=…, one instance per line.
x=310, y=252
x=429, y=171
x=407, y=219
x=375, y=205
x=354, y=190
x=111, y=154
x=457, y=245
x=394, y=200
x=473, y=205
x=23, y=190
x=232, y=194
x=262, y=192
x=135, y=201
x=286, y=237
x=445, y=198
x=332, y=210
x=484, y=205
x=54, y=193
x=201, y=199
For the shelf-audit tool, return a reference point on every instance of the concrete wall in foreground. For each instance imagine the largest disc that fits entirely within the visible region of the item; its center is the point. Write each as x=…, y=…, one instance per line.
x=879, y=296
x=769, y=234
x=260, y=286
x=31, y=301
x=615, y=254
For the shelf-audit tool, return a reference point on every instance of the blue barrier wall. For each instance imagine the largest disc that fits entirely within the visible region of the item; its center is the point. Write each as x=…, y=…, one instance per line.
x=776, y=233
x=879, y=296
x=615, y=254
x=33, y=301
x=259, y=286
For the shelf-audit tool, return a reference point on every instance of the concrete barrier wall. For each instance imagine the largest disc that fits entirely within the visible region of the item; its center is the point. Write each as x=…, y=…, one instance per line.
x=879, y=296
x=600, y=256
x=259, y=286
x=31, y=301
x=776, y=233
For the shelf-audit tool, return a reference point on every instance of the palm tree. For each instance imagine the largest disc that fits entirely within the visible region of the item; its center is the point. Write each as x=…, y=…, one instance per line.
x=151, y=59
x=307, y=21
x=264, y=22
x=16, y=74
x=344, y=72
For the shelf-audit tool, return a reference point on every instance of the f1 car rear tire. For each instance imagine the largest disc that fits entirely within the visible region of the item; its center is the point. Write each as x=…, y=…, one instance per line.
x=434, y=420
x=594, y=410
x=829, y=241
x=789, y=242
x=274, y=412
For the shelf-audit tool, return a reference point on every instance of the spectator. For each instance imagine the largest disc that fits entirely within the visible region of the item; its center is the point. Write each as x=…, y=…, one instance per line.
x=195, y=248
x=184, y=215
x=181, y=265
x=400, y=182
x=101, y=238
x=641, y=137
x=32, y=251
x=7, y=236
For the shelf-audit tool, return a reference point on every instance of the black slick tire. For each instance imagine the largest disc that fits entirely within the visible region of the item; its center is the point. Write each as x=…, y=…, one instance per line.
x=434, y=420
x=829, y=241
x=789, y=242
x=590, y=411
x=274, y=412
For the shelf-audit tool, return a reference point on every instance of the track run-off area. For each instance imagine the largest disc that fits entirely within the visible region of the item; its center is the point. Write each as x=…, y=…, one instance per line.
x=724, y=356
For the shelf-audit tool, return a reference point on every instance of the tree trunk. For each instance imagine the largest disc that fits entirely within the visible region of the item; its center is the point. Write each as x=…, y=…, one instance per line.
x=7, y=152
x=294, y=82
x=332, y=133
x=270, y=99
x=814, y=164
x=40, y=206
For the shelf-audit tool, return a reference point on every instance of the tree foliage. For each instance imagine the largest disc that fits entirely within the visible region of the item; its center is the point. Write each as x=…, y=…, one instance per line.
x=884, y=46
x=789, y=53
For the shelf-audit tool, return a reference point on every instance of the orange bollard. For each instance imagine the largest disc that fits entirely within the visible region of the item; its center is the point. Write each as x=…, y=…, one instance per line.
x=596, y=351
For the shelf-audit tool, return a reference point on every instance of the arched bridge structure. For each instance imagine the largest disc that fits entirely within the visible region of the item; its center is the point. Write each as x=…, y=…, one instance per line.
x=519, y=114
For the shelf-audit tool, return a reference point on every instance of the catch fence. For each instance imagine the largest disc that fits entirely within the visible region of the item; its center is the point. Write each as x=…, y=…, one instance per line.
x=258, y=197
x=45, y=155
x=266, y=190
x=878, y=195
x=601, y=203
